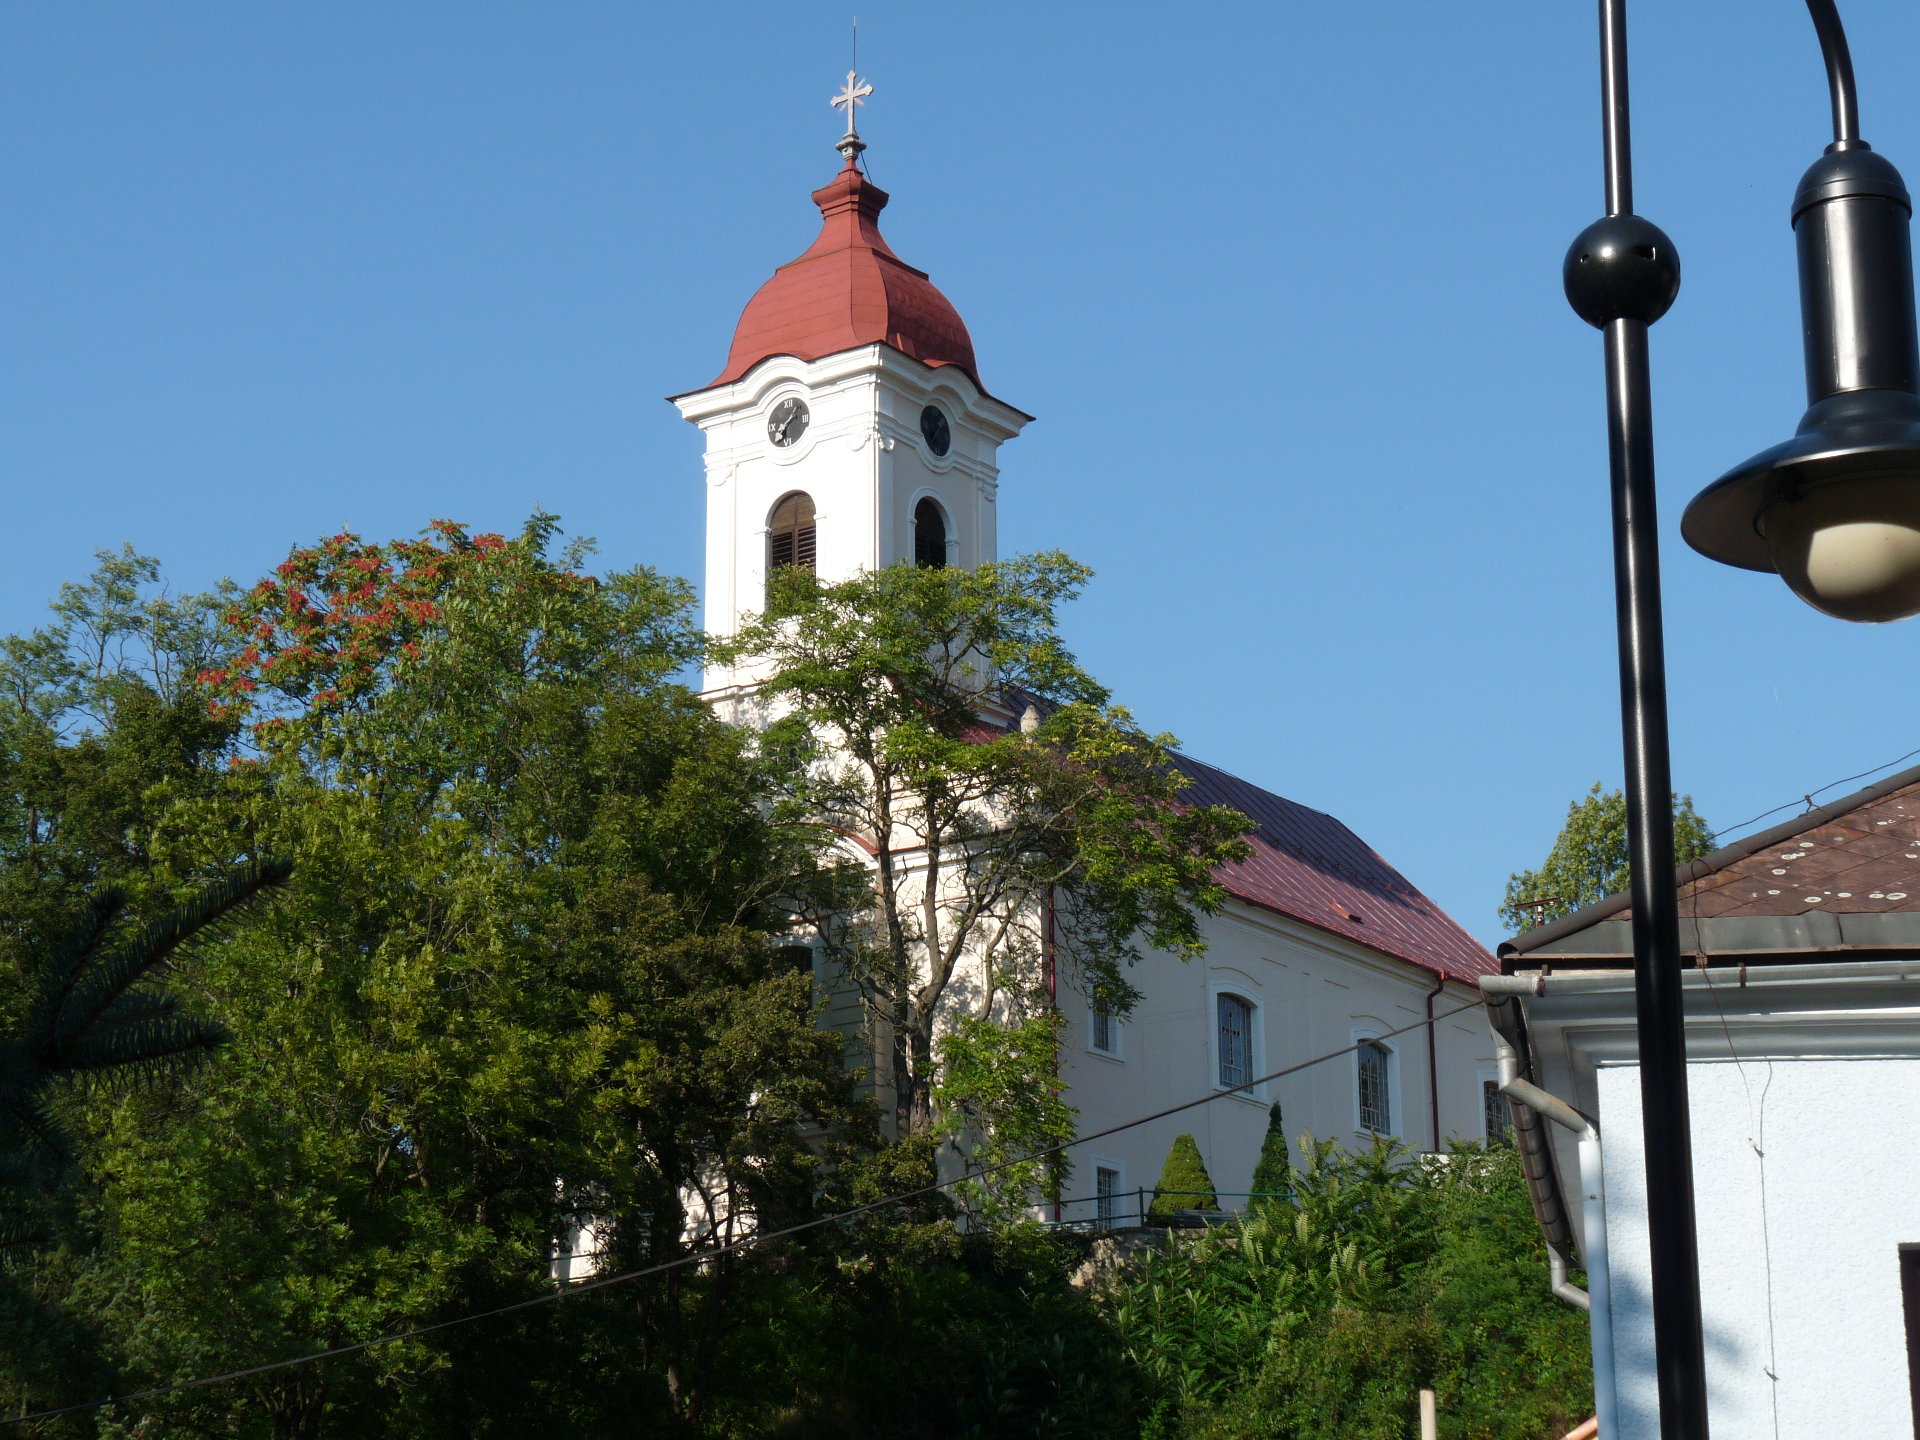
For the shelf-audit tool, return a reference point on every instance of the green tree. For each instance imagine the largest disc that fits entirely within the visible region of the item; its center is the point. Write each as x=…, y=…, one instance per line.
x=98, y=1012
x=1322, y=1317
x=1184, y=1183
x=1588, y=861
x=522, y=991
x=1273, y=1171
x=1000, y=815
x=101, y=727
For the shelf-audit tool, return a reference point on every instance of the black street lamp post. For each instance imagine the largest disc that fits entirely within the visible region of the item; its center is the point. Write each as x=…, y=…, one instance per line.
x=1835, y=510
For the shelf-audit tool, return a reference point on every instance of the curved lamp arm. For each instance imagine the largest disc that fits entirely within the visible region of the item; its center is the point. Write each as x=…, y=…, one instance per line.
x=1833, y=49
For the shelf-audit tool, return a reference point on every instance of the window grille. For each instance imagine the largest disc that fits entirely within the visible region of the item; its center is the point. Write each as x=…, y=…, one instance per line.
x=1499, y=1118
x=1106, y=1195
x=1236, y=1041
x=1376, y=1101
x=1101, y=1027
x=790, y=536
x=929, y=536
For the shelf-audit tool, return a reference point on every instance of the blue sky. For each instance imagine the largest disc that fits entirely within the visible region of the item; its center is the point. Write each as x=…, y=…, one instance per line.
x=1280, y=281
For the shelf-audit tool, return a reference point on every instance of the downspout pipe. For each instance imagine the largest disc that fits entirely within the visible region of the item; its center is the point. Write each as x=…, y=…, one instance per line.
x=1433, y=1058
x=1533, y=1108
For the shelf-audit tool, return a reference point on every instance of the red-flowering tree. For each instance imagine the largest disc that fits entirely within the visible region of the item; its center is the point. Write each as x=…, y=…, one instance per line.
x=337, y=622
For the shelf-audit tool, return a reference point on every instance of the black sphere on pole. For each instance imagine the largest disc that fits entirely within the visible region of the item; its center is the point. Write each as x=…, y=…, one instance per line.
x=1621, y=268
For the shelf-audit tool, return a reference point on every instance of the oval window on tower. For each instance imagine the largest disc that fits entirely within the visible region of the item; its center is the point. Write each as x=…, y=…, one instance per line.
x=935, y=429
x=929, y=536
x=790, y=533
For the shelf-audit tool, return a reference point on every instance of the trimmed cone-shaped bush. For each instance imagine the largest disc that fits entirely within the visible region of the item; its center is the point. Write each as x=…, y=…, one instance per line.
x=1184, y=1182
x=1273, y=1175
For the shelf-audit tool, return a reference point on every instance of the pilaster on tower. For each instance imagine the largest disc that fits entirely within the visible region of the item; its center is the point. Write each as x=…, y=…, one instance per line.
x=849, y=429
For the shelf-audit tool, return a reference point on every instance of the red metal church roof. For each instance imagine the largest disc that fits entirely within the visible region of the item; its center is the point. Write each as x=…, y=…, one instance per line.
x=1307, y=865
x=848, y=290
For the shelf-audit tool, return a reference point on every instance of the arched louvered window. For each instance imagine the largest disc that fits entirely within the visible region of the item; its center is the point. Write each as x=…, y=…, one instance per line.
x=929, y=536
x=790, y=533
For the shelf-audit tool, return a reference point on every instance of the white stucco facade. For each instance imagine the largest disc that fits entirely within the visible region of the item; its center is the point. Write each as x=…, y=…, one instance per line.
x=1312, y=993
x=863, y=460
x=1800, y=1080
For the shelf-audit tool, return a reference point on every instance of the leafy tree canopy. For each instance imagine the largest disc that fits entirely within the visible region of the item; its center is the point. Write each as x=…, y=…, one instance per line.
x=1588, y=861
x=1000, y=814
x=521, y=993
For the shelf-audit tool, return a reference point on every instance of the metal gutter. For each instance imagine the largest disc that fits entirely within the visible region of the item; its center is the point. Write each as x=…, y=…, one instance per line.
x=1839, y=972
x=1532, y=1108
x=1530, y=1139
x=1744, y=936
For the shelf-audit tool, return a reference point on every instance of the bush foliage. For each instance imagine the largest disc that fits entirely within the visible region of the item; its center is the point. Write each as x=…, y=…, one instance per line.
x=1323, y=1316
x=1184, y=1183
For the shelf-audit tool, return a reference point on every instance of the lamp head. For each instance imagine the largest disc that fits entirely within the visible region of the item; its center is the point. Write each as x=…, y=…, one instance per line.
x=1836, y=509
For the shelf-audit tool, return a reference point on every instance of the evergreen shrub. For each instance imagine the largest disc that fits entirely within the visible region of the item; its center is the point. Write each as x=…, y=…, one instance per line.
x=1184, y=1183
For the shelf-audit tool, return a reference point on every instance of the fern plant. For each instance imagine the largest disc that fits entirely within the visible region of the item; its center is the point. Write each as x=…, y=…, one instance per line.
x=98, y=1013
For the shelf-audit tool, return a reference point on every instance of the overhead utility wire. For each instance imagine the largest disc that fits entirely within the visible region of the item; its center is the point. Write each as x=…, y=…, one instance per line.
x=1808, y=797
x=696, y=1257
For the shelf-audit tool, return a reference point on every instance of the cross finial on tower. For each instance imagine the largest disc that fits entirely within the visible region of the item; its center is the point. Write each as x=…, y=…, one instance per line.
x=851, y=96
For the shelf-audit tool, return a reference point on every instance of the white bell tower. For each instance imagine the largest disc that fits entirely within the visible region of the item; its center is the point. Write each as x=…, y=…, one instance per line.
x=849, y=430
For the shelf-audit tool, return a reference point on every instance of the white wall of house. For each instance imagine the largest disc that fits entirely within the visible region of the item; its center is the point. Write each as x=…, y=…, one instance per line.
x=1805, y=1195
x=1312, y=993
x=1801, y=1081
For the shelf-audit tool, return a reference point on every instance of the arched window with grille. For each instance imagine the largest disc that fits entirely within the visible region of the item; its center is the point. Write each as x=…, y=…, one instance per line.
x=929, y=535
x=1373, y=1072
x=1233, y=1017
x=790, y=533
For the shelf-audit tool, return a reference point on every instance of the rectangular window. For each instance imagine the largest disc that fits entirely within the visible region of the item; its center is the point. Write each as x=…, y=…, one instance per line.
x=1236, y=1041
x=1106, y=1196
x=1498, y=1119
x=1376, y=1101
x=1102, y=1029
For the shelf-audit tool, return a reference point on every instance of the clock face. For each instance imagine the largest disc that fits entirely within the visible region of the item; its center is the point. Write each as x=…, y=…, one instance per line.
x=788, y=421
x=933, y=425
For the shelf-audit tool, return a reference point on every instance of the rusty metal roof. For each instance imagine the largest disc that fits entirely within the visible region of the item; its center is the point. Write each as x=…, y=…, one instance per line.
x=1308, y=866
x=1856, y=857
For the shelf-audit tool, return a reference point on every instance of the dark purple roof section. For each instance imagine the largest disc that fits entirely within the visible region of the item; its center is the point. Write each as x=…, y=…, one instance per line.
x=1310, y=867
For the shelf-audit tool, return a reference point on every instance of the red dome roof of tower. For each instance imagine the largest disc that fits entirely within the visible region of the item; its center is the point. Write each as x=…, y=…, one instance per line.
x=848, y=290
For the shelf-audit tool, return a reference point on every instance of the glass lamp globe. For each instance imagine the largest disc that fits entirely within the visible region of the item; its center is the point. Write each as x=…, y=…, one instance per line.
x=1850, y=548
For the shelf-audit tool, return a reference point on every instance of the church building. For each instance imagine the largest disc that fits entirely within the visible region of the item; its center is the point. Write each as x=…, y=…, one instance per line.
x=850, y=429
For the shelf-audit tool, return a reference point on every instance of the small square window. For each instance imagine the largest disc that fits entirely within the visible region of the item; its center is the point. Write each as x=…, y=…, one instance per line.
x=1376, y=1098
x=1236, y=1041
